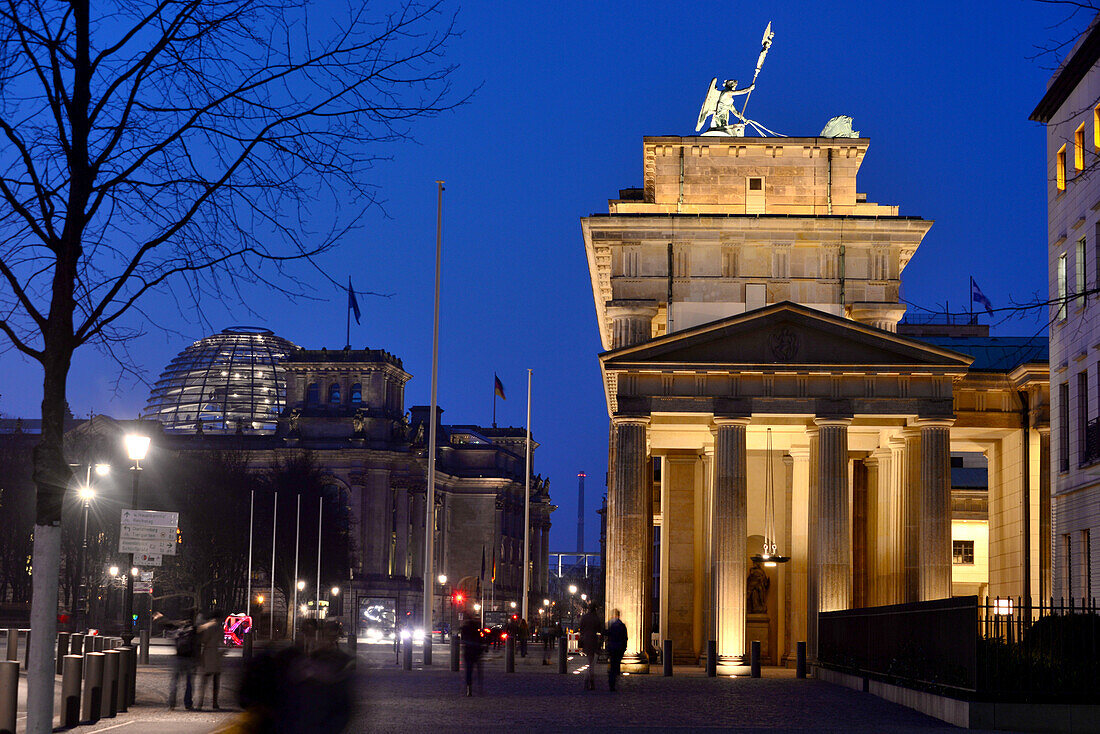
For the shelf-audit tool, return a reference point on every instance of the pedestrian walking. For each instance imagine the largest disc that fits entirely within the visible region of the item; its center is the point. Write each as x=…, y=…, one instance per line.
x=616, y=647
x=211, y=646
x=591, y=628
x=186, y=658
x=472, y=647
x=524, y=633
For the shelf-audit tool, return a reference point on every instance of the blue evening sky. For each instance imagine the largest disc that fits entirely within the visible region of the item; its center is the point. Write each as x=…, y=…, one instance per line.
x=942, y=89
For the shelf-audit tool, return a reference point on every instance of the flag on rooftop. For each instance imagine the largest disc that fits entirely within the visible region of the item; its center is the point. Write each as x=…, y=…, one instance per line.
x=977, y=296
x=353, y=305
x=498, y=387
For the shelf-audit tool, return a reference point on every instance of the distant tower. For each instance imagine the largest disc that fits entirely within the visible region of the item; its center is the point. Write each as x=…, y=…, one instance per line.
x=580, y=512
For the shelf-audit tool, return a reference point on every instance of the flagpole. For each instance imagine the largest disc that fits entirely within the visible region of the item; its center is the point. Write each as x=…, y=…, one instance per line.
x=297, y=543
x=429, y=500
x=347, y=334
x=251, y=511
x=527, y=507
x=271, y=599
x=971, y=299
x=317, y=597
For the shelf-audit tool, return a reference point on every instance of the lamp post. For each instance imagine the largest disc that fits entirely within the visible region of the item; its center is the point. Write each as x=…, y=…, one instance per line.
x=137, y=446
x=442, y=579
x=86, y=494
x=334, y=594
x=572, y=604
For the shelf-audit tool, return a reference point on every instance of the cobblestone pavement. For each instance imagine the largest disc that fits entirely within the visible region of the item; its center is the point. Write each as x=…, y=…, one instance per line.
x=536, y=698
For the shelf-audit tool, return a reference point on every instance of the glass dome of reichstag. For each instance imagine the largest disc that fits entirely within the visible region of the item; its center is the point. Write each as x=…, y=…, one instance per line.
x=229, y=381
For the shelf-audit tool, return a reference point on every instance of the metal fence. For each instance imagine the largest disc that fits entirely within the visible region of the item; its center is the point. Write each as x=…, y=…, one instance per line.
x=999, y=649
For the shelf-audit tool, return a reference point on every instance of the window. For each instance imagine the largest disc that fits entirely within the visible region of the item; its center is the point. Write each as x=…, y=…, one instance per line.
x=1062, y=292
x=1063, y=426
x=1079, y=271
x=754, y=195
x=1082, y=416
x=334, y=393
x=1086, y=563
x=313, y=394
x=962, y=552
x=357, y=393
x=1060, y=173
x=1079, y=148
x=1096, y=128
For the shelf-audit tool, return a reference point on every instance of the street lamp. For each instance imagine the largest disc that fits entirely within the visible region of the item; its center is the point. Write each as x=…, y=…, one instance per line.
x=572, y=588
x=301, y=585
x=86, y=494
x=137, y=446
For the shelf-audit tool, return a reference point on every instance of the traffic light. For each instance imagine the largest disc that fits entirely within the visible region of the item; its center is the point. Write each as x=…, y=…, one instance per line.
x=459, y=598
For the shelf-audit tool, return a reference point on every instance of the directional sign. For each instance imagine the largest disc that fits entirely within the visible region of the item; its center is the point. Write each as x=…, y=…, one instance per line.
x=163, y=547
x=145, y=576
x=147, y=532
x=149, y=517
x=148, y=559
x=143, y=587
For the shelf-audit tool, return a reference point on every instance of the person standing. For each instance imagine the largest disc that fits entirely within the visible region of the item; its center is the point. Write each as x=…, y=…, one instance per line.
x=183, y=664
x=616, y=647
x=470, y=634
x=210, y=660
x=591, y=628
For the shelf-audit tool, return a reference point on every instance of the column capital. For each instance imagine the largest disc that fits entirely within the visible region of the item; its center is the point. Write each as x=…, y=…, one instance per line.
x=933, y=422
x=832, y=421
x=1043, y=430
x=627, y=420
x=728, y=420
x=799, y=453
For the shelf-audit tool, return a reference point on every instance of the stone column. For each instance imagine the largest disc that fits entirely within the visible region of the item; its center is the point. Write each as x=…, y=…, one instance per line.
x=730, y=538
x=911, y=509
x=935, y=509
x=895, y=527
x=800, y=525
x=832, y=528
x=872, y=552
x=627, y=534
x=811, y=544
x=401, y=548
x=416, y=541
x=1045, y=587
x=631, y=321
x=860, y=532
x=377, y=515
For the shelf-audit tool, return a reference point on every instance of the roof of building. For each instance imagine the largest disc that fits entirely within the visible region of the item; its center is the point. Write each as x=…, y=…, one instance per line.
x=344, y=355
x=995, y=353
x=1080, y=61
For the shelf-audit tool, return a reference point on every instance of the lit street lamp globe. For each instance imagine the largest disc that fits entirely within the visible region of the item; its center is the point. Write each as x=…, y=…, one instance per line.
x=86, y=493
x=442, y=578
x=301, y=585
x=102, y=470
x=113, y=570
x=572, y=588
x=335, y=590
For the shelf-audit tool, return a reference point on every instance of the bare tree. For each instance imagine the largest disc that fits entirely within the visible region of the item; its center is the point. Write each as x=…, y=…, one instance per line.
x=179, y=146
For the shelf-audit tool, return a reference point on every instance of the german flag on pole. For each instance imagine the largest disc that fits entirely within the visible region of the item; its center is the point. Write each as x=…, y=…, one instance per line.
x=498, y=387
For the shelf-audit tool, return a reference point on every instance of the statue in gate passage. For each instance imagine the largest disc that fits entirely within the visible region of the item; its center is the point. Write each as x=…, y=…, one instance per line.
x=758, y=585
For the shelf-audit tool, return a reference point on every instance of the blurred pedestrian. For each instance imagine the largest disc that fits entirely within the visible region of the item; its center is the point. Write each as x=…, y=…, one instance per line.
x=616, y=647
x=472, y=647
x=186, y=658
x=524, y=633
x=210, y=638
x=591, y=627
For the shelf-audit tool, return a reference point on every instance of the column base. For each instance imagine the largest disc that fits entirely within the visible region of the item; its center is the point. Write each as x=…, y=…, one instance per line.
x=637, y=663
x=732, y=665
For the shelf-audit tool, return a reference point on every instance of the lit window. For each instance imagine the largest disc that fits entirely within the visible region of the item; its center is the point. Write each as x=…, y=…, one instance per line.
x=1060, y=162
x=357, y=393
x=754, y=196
x=334, y=394
x=1096, y=128
x=1079, y=148
x=962, y=552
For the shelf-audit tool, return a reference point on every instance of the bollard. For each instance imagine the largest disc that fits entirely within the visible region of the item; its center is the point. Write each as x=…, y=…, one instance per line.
x=666, y=658
x=754, y=659
x=455, y=649
x=93, y=687
x=125, y=666
x=712, y=658
x=27, y=650
x=426, y=648
x=407, y=654
x=108, y=705
x=70, y=691
x=800, y=664
x=131, y=686
x=9, y=694
x=62, y=650
x=562, y=653
x=89, y=644
x=99, y=643
x=13, y=644
x=246, y=646
x=510, y=655
x=76, y=644
x=144, y=647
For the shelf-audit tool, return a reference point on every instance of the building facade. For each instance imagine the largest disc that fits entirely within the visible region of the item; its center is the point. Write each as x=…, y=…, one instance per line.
x=1070, y=110
x=763, y=403
x=346, y=408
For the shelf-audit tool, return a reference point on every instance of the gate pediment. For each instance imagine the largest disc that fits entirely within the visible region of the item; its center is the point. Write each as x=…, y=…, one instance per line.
x=785, y=335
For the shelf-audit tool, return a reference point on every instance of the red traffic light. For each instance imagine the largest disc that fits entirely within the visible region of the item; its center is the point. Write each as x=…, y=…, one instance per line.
x=459, y=598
